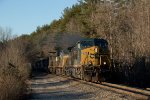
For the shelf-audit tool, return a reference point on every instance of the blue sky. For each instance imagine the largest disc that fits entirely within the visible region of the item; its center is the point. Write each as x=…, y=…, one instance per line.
x=23, y=16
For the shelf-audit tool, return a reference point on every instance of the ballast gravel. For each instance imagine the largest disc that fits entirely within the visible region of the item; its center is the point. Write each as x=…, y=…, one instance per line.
x=52, y=87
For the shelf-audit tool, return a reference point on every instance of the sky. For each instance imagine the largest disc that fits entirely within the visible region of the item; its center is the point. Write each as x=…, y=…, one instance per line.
x=23, y=16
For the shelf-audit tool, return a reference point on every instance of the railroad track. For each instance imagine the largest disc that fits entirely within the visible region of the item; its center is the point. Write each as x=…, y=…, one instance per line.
x=140, y=94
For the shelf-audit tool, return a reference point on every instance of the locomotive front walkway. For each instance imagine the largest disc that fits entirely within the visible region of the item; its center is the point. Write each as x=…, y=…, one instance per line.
x=52, y=87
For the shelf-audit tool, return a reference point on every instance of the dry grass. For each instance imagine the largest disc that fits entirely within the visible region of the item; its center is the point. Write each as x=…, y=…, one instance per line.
x=14, y=69
x=12, y=88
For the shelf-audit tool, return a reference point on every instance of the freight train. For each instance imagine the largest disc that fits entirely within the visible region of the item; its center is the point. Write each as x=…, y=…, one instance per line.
x=89, y=60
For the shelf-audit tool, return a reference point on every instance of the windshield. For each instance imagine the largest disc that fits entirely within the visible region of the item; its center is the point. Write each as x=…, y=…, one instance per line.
x=95, y=42
x=102, y=43
x=87, y=43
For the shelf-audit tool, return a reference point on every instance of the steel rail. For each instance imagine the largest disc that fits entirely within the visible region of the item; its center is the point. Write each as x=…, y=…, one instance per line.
x=139, y=94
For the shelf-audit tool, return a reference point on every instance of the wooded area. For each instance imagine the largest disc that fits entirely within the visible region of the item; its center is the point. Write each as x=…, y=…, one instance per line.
x=124, y=23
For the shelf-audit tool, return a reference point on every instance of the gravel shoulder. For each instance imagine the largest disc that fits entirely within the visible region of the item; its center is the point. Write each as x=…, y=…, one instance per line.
x=52, y=87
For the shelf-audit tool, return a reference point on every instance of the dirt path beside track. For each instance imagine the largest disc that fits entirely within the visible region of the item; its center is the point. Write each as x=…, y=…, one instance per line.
x=52, y=87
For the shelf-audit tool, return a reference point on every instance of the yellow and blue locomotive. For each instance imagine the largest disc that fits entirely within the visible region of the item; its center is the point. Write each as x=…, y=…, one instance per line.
x=89, y=60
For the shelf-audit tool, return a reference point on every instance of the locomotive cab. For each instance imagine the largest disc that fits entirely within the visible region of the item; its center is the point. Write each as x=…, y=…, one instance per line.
x=95, y=52
x=95, y=58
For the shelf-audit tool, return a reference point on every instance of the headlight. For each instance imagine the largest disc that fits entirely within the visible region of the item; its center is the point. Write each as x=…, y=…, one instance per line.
x=96, y=50
x=56, y=58
x=104, y=63
x=92, y=55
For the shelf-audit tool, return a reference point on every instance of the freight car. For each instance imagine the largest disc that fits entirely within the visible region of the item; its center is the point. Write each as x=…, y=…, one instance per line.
x=89, y=59
x=40, y=65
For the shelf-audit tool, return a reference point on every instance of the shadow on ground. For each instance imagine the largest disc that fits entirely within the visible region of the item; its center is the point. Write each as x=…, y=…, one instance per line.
x=39, y=75
x=60, y=95
x=51, y=84
x=40, y=89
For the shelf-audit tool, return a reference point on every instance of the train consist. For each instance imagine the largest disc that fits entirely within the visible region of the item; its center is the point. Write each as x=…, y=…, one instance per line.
x=89, y=59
